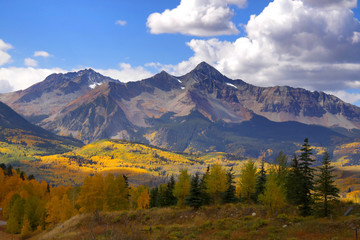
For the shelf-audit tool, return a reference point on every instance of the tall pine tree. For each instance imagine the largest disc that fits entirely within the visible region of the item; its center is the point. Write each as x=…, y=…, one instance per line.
x=203, y=187
x=195, y=199
x=260, y=181
x=293, y=184
x=230, y=194
x=307, y=172
x=325, y=190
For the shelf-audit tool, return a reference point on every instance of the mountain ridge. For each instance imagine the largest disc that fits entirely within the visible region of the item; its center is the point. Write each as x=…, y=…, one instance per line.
x=148, y=110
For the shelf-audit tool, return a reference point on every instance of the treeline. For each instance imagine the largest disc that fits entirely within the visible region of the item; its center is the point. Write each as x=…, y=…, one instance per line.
x=31, y=206
x=298, y=183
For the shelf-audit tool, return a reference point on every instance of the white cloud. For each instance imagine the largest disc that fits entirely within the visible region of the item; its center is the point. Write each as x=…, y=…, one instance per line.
x=22, y=78
x=121, y=22
x=197, y=18
x=126, y=73
x=289, y=43
x=331, y=4
x=30, y=62
x=346, y=96
x=43, y=54
x=5, y=86
x=4, y=56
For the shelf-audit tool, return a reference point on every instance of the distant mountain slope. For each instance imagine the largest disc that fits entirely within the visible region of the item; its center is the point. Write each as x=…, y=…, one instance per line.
x=14, y=129
x=200, y=111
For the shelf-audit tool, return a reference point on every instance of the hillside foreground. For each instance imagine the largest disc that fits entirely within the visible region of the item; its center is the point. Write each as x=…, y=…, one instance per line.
x=232, y=221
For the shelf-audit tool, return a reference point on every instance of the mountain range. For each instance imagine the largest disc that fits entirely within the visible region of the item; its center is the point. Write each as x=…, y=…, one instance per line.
x=202, y=110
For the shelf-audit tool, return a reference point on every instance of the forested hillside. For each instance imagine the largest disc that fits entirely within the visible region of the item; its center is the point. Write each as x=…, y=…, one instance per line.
x=254, y=202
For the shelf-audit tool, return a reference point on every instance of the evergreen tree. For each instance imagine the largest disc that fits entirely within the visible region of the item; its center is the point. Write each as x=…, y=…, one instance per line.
x=281, y=167
x=9, y=171
x=195, y=198
x=206, y=200
x=170, y=199
x=260, y=182
x=326, y=191
x=154, y=197
x=230, y=194
x=307, y=172
x=293, y=184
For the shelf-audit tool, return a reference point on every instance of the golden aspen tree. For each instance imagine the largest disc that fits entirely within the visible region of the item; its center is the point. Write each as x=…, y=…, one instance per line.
x=116, y=193
x=91, y=197
x=143, y=200
x=182, y=187
x=247, y=180
x=216, y=183
x=67, y=209
x=123, y=201
x=53, y=209
x=26, y=228
x=135, y=194
x=274, y=197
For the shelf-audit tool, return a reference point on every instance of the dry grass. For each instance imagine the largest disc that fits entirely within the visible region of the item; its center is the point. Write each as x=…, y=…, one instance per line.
x=225, y=222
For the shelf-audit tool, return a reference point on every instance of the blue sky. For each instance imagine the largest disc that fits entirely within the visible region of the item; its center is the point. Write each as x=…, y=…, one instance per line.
x=313, y=44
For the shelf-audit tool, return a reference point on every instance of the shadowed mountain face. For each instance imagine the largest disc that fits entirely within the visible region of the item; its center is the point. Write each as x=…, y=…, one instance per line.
x=200, y=111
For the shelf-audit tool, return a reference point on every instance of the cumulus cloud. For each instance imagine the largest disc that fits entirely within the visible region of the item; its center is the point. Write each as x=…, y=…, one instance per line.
x=4, y=56
x=346, y=96
x=43, y=54
x=30, y=62
x=289, y=43
x=5, y=86
x=331, y=4
x=197, y=18
x=126, y=73
x=22, y=78
x=121, y=22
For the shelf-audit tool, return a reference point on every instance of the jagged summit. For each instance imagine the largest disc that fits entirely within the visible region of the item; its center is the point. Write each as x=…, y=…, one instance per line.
x=205, y=72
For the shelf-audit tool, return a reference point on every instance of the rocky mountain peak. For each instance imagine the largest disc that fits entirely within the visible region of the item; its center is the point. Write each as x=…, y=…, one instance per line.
x=205, y=73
